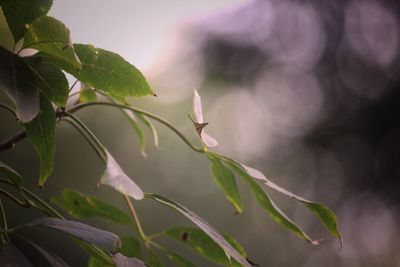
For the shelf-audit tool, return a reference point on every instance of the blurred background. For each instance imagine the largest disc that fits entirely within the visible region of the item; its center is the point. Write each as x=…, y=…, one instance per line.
x=305, y=91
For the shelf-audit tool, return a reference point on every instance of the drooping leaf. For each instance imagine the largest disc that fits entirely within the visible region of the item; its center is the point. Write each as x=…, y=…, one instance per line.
x=199, y=123
x=327, y=217
x=123, y=261
x=266, y=202
x=10, y=256
x=226, y=180
x=153, y=259
x=150, y=125
x=115, y=177
x=10, y=174
x=18, y=81
x=204, y=226
x=179, y=260
x=50, y=79
x=202, y=244
x=51, y=37
x=19, y=13
x=51, y=258
x=139, y=131
x=82, y=206
x=90, y=234
x=41, y=133
x=130, y=247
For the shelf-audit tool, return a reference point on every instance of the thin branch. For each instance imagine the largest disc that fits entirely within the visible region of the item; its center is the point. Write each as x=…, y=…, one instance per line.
x=8, y=108
x=148, y=114
x=11, y=141
x=13, y=198
x=96, y=144
x=136, y=219
x=3, y=214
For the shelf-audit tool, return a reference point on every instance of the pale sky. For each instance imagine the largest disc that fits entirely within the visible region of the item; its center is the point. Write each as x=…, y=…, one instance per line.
x=137, y=30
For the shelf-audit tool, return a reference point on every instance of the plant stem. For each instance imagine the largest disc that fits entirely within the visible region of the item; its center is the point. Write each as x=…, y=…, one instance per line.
x=7, y=107
x=84, y=134
x=136, y=219
x=3, y=214
x=13, y=198
x=85, y=131
x=148, y=114
x=72, y=86
x=32, y=195
x=11, y=141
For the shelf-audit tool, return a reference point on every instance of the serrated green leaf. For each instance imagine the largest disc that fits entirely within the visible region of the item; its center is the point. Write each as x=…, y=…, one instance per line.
x=41, y=133
x=18, y=81
x=50, y=79
x=179, y=260
x=87, y=233
x=81, y=206
x=87, y=95
x=204, y=226
x=153, y=259
x=115, y=177
x=130, y=247
x=19, y=13
x=123, y=261
x=10, y=256
x=202, y=244
x=226, y=181
x=108, y=72
x=326, y=216
x=51, y=37
x=10, y=174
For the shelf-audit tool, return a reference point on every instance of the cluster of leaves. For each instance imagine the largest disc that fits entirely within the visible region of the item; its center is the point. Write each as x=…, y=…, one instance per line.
x=42, y=98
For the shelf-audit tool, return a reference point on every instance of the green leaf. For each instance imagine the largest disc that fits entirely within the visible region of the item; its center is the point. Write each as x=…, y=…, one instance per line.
x=266, y=202
x=96, y=262
x=153, y=259
x=130, y=247
x=326, y=216
x=87, y=95
x=19, y=13
x=204, y=226
x=87, y=233
x=123, y=261
x=18, y=81
x=226, y=181
x=179, y=260
x=81, y=206
x=139, y=131
x=10, y=174
x=51, y=37
x=202, y=244
x=51, y=80
x=10, y=256
x=41, y=133
x=115, y=177
x=108, y=72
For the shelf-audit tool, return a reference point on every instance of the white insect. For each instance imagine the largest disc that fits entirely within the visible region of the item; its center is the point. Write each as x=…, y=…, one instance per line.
x=199, y=123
